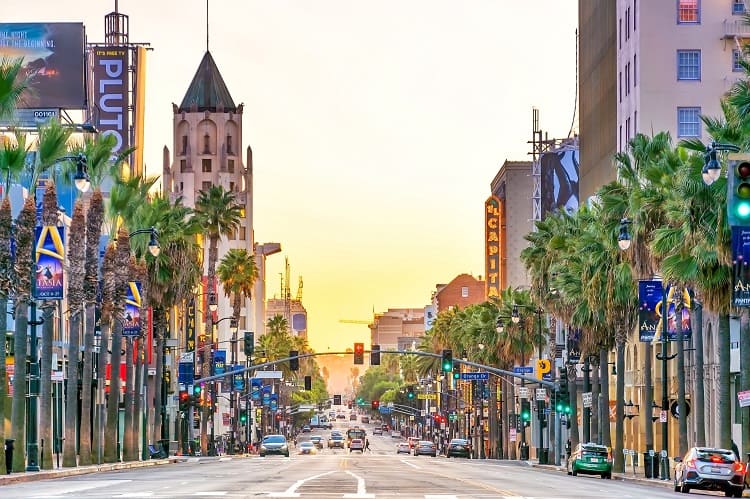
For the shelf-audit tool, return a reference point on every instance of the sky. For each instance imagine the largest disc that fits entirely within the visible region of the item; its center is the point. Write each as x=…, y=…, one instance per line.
x=376, y=126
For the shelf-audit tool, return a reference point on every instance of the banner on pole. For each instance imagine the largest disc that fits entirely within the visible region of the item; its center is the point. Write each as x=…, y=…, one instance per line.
x=50, y=254
x=133, y=303
x=741, y=266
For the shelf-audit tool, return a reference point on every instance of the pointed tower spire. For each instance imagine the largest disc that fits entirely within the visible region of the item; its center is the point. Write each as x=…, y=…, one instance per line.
x=207, y=91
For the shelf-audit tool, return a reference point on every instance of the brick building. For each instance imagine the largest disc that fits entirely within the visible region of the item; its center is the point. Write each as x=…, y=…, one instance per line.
x=462, y=291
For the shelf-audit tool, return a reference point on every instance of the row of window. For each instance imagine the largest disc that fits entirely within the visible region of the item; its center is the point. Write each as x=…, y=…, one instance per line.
x=626, y=85
x=688, y=125
x=206, y=165
x=689, y=11
x=207, y=144
x=626, y=31
x=689, y=63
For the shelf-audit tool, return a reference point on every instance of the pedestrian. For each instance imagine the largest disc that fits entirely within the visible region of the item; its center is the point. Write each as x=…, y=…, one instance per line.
x=367, y=444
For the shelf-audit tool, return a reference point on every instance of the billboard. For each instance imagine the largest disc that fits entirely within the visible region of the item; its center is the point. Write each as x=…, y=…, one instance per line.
x=53, y=55
x=492, y=231
x=650, y=312
x=50, y=254
x=110, y=87
x=559, y=181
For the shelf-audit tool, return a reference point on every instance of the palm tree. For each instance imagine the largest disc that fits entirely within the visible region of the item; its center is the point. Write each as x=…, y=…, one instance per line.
x=237, y=274
x=219, y=214
x=13, y=85
x=277, y=325
x=6, y=286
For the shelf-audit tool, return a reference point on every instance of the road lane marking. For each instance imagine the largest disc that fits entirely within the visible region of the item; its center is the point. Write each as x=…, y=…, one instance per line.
x=292, y=491
x=211, y=493
x=410, y=464
x=440, y=496
x=361, y=490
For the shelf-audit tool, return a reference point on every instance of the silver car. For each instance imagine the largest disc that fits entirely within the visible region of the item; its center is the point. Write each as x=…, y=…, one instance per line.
x=706, y=468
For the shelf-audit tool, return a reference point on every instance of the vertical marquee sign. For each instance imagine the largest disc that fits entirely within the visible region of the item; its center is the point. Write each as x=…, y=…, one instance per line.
x=492, y=268
x=190, y=326
x=111, y=87
x=133, y=303
x=50, y=254
x=741, y=266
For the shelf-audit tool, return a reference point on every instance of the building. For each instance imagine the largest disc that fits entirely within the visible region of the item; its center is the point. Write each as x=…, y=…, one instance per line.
x=398, y=328
x=462, y=291
x=294, y=312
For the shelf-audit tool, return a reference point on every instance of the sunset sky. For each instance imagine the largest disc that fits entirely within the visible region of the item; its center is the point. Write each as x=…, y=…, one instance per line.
x=376, y=126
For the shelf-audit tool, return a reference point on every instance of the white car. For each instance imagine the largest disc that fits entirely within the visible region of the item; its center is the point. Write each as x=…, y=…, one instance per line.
x=395, y=434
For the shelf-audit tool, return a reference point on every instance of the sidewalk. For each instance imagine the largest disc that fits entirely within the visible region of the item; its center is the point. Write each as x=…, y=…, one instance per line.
x=31, y=476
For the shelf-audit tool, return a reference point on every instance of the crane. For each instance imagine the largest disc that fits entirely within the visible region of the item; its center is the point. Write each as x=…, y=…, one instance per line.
x=354, y=321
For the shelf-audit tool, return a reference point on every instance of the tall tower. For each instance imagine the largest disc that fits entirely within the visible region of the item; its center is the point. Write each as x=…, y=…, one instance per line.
x=207, y=144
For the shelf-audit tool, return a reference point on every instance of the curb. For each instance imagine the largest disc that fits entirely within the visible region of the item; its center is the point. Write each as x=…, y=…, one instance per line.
x=33, y=476
x=615, y=476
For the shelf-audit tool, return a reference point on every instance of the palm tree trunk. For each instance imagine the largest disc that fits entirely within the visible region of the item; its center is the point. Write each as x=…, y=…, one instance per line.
x=85, y=457
x=112, y=436
x=619, y=464
x=3, y=374
x=724, y=421
x=681, y=404
x=45, y=387
x=504, y=427
x=101, y=413
x=129, y=451
x=18, y=414
x=138, y=396
x=71, y=396
x=595, y=411
x=575, y=438
x=493, y=417
x=699, y=396
x=648, y=402
x=604, y=406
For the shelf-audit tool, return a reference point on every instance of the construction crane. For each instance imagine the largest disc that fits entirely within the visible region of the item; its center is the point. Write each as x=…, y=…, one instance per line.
x=354, y=321
x=299, y=290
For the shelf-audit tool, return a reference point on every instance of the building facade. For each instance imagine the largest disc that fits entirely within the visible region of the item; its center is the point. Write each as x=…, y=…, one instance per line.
x=462, y=291
x=398, y=328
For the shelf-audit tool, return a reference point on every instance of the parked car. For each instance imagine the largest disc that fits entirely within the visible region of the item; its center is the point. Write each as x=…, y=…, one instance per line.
x=377, y=431
x=425, y=448
x=307, y=448
x=591, y=459
x=403, y=448
x=458, y=447
x=705, y=468
x=274, y=444
x=352, y=417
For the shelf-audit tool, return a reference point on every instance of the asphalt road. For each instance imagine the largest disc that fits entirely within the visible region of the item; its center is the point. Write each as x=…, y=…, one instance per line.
x=335, y=473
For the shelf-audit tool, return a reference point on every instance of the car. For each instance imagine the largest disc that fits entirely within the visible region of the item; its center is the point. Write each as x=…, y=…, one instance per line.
x=425, y=448
x=365, y=420
x=274, y=444
x=403, y=448
x=591, y=459
x=396, y=434
x=706, y=468
x=352, y=417
x=306, y=429
x=307, y=448
x=340, y=416
x=458, y=447
x=377, y=431
x=336, y=442
x=317, y=441
x=357, y=444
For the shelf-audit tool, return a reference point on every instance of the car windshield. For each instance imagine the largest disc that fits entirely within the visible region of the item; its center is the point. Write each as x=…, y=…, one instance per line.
x=306, y=444
x=274, y=439
x=458, y=441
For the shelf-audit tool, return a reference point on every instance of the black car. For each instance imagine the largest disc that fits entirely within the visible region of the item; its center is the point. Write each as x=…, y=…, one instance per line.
x=707, y=468
x=274, y=444
x=459, y=447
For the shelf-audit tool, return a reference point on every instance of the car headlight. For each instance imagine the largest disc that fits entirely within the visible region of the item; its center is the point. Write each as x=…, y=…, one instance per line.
x=262, y=447
x=283, y=447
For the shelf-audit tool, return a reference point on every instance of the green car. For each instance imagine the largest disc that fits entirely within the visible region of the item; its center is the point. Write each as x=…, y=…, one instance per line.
x=591, y=459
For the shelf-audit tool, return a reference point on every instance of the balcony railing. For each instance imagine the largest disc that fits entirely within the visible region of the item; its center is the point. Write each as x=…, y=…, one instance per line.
x=736, y=28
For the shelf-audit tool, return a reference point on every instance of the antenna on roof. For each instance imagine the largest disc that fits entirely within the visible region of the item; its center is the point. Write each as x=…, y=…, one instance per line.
x=206, y=25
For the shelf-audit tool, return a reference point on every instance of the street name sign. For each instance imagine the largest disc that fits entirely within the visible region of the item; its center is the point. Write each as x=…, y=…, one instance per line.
x=267, y=374
x=481, y=376
x=523, y=370
x=426, y=396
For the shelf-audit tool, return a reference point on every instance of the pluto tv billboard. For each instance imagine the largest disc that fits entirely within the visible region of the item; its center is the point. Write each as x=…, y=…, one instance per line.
x=53, y=55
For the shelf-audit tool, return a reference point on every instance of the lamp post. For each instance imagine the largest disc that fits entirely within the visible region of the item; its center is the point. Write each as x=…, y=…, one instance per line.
x=212, y=367
x=82, y=183
x=233, y=416
x=540, y=403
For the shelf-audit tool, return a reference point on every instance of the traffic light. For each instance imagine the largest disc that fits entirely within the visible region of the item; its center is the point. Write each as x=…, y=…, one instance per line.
x=168, y=381
x=456, y=375
x=249, y=343
x=197, y=391
x=359, y=353
x=375, y=404
x=308, y=383
x=243, y=418
x=337, y=400
x=562, y=402
x=293, y=360
x=184, y=400
x=447, y=362
x=410, y=392
x=375, y=355
x=738, y=192
x=525, y=412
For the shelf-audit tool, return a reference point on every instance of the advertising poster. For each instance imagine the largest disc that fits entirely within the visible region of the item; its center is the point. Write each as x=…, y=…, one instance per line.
x=649, y=299
x=741, y=266
x=53, y=55
x=256, y=385
x=50, y=254
x=133, y=301
x=672, y=299
x=220, y=362
x=110, y=85
x=559, y=181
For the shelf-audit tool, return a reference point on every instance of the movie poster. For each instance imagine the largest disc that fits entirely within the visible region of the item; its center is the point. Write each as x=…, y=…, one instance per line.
x=133, y=303
x=649, y=298
x=50, y=254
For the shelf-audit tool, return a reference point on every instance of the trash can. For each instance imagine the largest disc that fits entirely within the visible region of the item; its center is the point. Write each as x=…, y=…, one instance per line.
x=9, y=455
x=524, y=451
x=164, y=445
x=543, y=454
x=650, y=463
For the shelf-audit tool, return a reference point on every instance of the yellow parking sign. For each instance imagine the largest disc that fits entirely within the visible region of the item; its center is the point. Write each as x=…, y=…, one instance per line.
x=543, y=367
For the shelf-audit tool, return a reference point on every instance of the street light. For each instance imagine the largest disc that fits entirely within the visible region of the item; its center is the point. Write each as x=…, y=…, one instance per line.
x=212, y=367
x=153, y=242
x=711, y=167
x=515, y=317
x=32, y=433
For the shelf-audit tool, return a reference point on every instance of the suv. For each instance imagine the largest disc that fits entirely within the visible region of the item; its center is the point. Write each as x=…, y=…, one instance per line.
x=591, y=459
x=336, y=441
x=706, y=468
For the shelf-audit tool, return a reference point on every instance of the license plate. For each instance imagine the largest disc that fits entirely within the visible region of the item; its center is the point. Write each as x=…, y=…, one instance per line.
x=594, y=459
x=716, y=471
x=459, y=447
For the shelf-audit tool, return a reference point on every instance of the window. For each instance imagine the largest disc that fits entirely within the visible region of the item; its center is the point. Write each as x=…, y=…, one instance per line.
x=229, y=144
x=184, y=144
x=231, y=186
x=736, y=58
x=620, y=138
x=230, y=165
x=635, y=14
x=206, y=144
x=627, y=79
x=627, y=129
x=182, y=187
x=620, y=33
x=627, y=24
x=620, y=86
x=205, y=186
x=243, y=233
x=206, y=165
x=688, y=64
x=738, y=7
x=635, y=123
x=688, y=122
x=183, y=166
x=232, y=236
x=464, y=291
x=635, y=70
x=688, y=11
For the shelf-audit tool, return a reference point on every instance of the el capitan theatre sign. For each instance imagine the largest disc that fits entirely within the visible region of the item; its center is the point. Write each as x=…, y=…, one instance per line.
x=492, y=261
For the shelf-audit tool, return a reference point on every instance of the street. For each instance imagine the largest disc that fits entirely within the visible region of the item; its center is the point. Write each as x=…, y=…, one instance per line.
x=335, y=473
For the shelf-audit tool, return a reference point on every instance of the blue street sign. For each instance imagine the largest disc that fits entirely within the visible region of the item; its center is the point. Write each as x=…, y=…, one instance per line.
x=523, y=370
x=476, y=376
x=186, y=373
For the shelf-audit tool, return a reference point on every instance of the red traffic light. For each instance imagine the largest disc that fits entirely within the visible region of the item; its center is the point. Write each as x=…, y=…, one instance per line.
x=359, y=348
x=184, y=396
x=375, y=404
